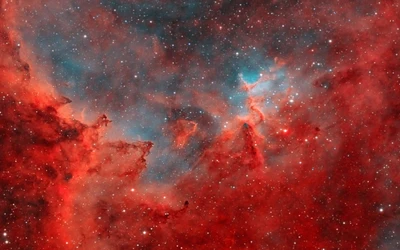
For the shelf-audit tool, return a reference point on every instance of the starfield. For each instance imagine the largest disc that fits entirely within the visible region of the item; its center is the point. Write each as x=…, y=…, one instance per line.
x=160, y=124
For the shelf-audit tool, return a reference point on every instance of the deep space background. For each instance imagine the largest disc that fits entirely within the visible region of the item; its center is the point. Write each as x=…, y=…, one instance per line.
x=160, y=124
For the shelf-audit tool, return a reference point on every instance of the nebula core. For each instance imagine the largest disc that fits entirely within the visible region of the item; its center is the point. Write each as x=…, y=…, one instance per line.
x=160, y=124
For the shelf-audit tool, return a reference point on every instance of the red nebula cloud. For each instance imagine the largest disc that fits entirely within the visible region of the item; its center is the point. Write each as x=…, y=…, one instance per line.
x=319, y=173
x=183, y=130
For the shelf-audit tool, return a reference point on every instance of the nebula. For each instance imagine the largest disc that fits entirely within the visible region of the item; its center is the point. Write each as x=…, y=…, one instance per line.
x=135, y=124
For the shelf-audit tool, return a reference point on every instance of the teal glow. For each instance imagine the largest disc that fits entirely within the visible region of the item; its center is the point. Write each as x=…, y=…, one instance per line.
x=251, y=76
